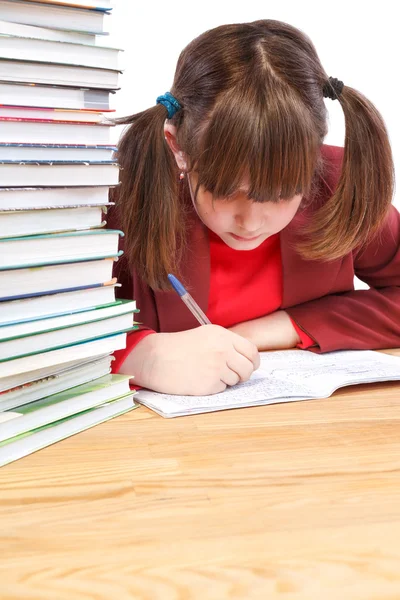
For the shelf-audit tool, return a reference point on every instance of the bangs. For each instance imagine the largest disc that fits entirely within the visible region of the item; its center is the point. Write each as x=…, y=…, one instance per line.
x=266, y=139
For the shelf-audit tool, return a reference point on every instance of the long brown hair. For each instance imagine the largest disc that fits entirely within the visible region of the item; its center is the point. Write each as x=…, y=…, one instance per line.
x=252, y=98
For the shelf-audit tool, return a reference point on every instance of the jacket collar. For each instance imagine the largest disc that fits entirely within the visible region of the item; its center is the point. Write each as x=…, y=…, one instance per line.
x=303, y=280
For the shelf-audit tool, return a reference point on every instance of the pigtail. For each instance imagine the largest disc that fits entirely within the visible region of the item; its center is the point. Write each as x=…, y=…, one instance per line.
x=365, y=187
x=148, y=197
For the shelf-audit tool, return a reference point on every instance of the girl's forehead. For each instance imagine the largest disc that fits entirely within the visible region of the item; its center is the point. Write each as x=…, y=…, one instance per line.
x=244, y=187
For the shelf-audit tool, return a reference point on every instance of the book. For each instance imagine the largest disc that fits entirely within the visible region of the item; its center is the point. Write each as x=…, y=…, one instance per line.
x=46, y=323
x=52, y=96
x=41, y=342
x=55, y=82
x=53, y=132
x=18, y=223
x=56, y=74
x=68, y=153
x=37, y=439
x=34, y=280
x=284, y=376
x=42, y=14
x=17, y=382
x=61, y=247
x=52, y=358
x=54, y=383
x=14, y=47
x=20, y=198
x=44, y=33
x=97, y=4
x=64, y=404
x=35, y=307
x=45, y=173
x=51, y=114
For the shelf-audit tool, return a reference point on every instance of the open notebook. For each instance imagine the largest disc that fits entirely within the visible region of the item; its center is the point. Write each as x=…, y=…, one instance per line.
x=284, y=376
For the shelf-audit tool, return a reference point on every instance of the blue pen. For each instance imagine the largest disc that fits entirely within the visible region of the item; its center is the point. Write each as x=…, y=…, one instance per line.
x=188, y=300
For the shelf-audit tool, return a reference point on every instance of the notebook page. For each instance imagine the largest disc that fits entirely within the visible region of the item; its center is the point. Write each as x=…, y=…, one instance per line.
x=284, y=376
x=324, y=373
x=258, y=390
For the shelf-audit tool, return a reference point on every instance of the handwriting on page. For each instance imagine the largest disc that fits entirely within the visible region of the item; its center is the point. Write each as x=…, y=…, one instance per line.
x=285, y=376
x=323, y=374
x=258, y=388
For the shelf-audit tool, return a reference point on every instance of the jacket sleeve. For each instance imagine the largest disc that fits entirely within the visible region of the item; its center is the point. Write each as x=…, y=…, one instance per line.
x=361, y=319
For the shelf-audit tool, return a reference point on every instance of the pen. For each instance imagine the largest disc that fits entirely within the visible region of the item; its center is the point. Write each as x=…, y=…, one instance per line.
x=188, y=300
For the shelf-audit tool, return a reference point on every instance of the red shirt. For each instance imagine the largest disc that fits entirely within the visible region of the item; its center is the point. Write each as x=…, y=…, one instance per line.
x=244, y=285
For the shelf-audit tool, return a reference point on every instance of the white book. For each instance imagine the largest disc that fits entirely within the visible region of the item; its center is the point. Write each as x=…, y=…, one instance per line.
x=58, y=173
x=48, y=323
x=20, y=446
x=56, y=153
x=51, y=96
x=81, y=351
x=44, y=33
x=62, y=405
x=54, y=17
x=52, y=114
x=17, y=223
x=37, y=343
x=66, y=53
x=52, y=197
x=50, y=373
x=285, y=376
x=48, y=305
x=21, y=283
x=54, y=383
x=42, y=132
x=98, y=4
x=58, y=247
x=62, y=75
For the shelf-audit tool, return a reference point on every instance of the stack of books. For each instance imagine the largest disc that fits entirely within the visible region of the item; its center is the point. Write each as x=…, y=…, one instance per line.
x=60, y=321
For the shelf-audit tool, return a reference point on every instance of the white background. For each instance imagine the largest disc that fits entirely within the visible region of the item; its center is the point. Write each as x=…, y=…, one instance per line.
x=357, y=42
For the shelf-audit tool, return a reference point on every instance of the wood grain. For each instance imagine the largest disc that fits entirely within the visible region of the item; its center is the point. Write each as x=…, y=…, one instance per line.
x=296, y=501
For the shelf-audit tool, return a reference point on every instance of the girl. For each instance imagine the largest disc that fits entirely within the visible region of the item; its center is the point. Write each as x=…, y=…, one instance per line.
x=226, y=183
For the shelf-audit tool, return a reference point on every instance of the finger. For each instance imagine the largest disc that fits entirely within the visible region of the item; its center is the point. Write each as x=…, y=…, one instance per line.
x=216, y=388
x=229, y=377
x=241, y=365
x=247, y=349
x=221, y=387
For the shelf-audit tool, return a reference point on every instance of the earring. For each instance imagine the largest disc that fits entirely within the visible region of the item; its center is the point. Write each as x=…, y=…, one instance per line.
x=182, y=175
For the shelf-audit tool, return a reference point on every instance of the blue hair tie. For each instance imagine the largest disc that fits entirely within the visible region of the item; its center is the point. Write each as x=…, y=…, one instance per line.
x=170, y=102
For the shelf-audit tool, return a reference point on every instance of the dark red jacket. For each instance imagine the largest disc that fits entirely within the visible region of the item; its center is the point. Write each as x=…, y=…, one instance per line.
x=318, y=296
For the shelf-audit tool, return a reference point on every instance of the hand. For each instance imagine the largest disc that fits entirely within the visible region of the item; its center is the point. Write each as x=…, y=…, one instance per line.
x=197, y=362
x=272, y=332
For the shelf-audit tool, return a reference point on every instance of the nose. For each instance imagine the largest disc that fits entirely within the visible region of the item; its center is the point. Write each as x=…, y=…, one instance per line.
x=250, y=217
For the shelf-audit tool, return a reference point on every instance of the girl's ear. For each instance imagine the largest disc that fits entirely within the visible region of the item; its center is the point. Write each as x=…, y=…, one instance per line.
x=170, y=138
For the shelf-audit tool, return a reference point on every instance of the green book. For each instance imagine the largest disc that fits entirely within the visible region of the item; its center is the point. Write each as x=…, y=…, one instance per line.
x=58, y=248
x=64, y=404
x=29, y=442
x=44, y=341
x=54, y=357
x=48, y=323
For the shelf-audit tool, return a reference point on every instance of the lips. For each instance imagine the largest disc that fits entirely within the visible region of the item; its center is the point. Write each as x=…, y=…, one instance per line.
x=244, y=239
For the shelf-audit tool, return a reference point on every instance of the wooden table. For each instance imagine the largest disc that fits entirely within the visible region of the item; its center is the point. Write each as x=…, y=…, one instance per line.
x=291, y=501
